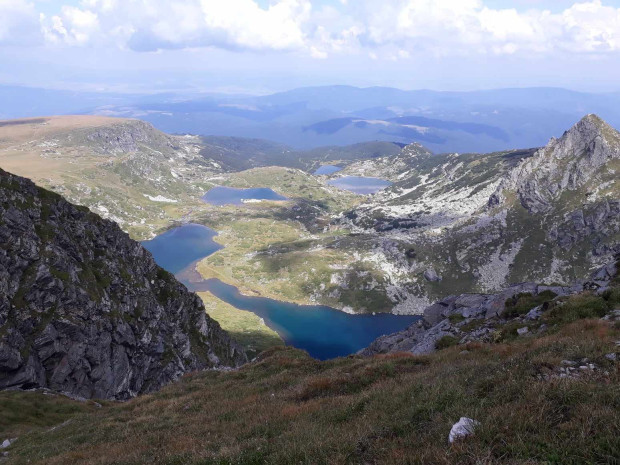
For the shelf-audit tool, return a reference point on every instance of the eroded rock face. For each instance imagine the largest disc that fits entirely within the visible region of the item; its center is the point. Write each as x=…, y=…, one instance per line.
x=481, y=222
x=127, y=137
x=475, y=317
x=601, y=220
x=85, y=310
x=565, y=164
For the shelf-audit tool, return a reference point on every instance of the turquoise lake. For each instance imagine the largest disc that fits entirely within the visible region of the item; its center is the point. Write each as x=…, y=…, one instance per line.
x=360, y=185
x=232, y=196
x=323, y=332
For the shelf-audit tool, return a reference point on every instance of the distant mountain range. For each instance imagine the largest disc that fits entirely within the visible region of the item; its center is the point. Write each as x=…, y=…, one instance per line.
x=306, y=118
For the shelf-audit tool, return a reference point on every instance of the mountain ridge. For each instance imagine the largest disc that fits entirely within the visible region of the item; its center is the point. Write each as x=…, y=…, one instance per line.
x=587, y=147
x=474, y=221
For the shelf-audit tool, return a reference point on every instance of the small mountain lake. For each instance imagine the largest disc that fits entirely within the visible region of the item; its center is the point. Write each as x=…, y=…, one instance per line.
x=233, y=196
x=326, y=170
x=322, y=331
x=359, y=184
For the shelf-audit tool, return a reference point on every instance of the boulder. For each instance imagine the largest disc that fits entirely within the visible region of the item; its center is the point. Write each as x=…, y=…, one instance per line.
x=432, y=276
x=463, y=428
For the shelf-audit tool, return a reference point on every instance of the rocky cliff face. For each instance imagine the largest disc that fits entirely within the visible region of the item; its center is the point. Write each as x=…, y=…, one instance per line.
x=127, y=137
x=566, y=164
x=85, y=310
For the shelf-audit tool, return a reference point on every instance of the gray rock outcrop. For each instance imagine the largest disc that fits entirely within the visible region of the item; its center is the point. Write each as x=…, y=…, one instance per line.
x=565, y=164
x=127, y=137
x=86, y=311
x=475, y=317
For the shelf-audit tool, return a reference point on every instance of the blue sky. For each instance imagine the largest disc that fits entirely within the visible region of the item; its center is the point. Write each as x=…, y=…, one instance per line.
x=268, y=45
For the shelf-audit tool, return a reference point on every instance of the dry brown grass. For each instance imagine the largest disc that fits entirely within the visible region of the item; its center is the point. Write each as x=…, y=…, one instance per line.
x=20, y=155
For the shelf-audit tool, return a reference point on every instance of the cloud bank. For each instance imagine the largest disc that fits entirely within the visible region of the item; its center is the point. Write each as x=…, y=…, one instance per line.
x=392, y=28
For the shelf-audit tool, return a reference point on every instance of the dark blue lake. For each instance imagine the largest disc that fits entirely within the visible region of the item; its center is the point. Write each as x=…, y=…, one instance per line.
x=327, y=169
x=360, y=185
x=178, y=248
x=323, y=332
x=232, y=196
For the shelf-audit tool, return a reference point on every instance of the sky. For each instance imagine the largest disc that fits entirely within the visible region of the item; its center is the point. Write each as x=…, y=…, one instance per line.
x=261, y=46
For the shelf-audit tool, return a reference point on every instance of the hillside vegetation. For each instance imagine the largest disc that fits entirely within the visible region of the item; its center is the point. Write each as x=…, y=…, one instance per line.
x=546, y=399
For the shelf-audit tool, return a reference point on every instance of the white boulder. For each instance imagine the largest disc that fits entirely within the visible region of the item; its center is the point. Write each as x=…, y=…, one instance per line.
x=7, y=442
x=463, y=428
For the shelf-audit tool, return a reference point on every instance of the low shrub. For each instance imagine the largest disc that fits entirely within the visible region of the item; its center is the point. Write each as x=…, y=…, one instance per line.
x=445, y=342
x=521, y=304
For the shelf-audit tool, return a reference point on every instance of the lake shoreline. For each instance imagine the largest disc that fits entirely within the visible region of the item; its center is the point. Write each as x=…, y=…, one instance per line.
x=323, y=331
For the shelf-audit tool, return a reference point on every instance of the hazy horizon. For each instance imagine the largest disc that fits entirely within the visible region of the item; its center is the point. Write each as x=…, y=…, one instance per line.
x=191, y=92
x=260, y=46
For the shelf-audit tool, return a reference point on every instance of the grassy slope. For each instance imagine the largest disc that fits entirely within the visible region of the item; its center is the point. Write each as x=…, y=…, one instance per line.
x=57, y=154
x=288, y=408
x=246, y=328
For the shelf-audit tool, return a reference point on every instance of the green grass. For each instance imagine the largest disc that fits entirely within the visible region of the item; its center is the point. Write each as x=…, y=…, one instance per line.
x=446, y=341
x=24, y=412
x=245, y=327
x=456, y=318
x=281, y=260
x=586, y=305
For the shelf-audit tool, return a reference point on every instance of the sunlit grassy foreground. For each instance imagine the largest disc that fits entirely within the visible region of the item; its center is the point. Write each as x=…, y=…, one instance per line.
x=288, y=408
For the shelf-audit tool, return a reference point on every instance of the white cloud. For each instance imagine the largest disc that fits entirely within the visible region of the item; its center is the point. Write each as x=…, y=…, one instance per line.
x=391, y=29
x=145, y=25
x=19, y=23
x=468, y=26
x=73, y=26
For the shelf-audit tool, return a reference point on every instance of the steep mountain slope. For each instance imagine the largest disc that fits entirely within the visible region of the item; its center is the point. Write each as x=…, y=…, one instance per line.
x=85, y=310
x=124, y=170
x=584, y=161
x=468, y=223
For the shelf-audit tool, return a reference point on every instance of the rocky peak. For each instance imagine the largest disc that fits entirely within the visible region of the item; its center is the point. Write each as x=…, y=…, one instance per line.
x=566, y=164
x=85, y=310
x=127, y=136
x=413, y=150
